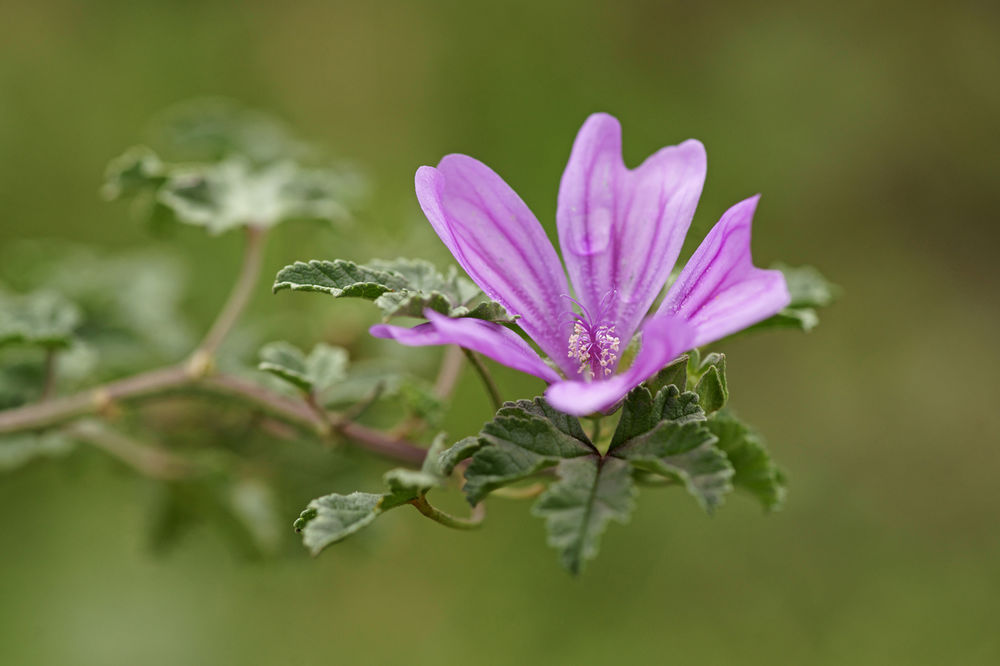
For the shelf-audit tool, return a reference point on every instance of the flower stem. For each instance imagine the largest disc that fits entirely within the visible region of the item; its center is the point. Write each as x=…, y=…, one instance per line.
x=474, y=520
x=484, y=374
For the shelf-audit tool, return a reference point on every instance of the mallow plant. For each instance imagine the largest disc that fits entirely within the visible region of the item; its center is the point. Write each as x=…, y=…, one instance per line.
x=620, y=333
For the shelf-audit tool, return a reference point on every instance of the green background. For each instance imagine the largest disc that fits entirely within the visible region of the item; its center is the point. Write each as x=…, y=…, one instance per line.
x=871, y=130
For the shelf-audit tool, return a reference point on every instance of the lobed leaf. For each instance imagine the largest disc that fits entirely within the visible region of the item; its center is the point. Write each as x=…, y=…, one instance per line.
x=523, y=438
x=577, y=508
x=754, y=471
x=684, y=452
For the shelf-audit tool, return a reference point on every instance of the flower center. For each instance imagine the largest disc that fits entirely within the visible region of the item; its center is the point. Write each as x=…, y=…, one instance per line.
x=595, y=348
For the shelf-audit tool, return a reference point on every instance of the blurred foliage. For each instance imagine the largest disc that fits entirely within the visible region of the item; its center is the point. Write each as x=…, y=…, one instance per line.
x=869, y=129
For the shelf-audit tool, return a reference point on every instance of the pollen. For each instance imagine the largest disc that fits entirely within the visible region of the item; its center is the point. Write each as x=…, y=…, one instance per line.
x=595, y=348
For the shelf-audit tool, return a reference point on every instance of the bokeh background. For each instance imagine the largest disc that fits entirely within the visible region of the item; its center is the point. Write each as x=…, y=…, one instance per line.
x=869, y=127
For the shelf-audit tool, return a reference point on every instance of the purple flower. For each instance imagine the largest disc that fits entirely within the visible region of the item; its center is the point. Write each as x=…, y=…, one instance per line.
x=620, y=231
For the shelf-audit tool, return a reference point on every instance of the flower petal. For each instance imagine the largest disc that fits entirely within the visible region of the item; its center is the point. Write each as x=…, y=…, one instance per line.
x=488, y=338
x=501, y=245
x=621, y=230
x=720, y=291
x=664, y=338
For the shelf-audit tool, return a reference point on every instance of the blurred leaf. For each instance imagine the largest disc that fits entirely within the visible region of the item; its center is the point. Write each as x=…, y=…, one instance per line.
x=19, y=449
x=590, y=492
x=807, y=286
x=213, y=128
x=234, y=193
x=137, y=170
x=324, y=367
x=41, y=318
x=753, y=468
x=522, y=439
x=808, y=290
x=400, y=287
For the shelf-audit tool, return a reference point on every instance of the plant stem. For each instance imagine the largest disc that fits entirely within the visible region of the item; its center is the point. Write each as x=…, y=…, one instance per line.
x=474, y=520
x=484, y=374
x=49, y=385
x=253, y=252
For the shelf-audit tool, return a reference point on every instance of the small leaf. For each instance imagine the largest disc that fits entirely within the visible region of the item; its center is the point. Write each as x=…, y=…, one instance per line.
x=754, y=470
x=324, y=367
x=711, y=390
x=522, y=439
x=400, y=287
x=20, y=449
x=331, y=518
x=641, y=412
x=590, y=493
x=339, y=278
x=286, y=361
x=41, y=318
x=675, y=373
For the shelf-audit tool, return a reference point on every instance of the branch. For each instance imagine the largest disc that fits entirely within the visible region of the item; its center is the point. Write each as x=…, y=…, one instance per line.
x=201, y=360
x=147, y=384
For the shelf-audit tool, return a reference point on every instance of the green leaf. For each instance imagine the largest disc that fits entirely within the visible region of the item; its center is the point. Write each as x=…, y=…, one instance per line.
x=641, y=412
x=324, y=367
x=339, y=278
x=675, y=373
x=666, y=435
x=20, y=449
x=400, y=287
x=462, y=449
x=754, y=471
x=522, y=439
x=577, y=508
x=684, y=452
x=331, y=518
x=41, y=318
